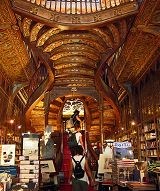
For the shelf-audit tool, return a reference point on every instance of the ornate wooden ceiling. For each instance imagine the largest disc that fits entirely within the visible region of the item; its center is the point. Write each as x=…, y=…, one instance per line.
x=14, y=59
x=75, y=55
x=141, y=46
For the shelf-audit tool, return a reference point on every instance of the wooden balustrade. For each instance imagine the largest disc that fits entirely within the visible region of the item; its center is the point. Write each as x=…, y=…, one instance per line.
x=39, y=76
x=78, y=6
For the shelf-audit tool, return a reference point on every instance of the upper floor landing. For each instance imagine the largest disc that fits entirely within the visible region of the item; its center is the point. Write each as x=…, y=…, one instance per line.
x=75, y=14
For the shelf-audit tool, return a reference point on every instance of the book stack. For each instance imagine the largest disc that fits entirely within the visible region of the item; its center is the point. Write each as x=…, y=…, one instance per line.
x=29, y=161
x=122, y=170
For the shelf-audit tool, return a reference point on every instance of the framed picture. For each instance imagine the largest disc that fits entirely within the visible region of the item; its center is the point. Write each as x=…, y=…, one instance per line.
x=8, y=154
x=104, y=164
x=47, y=166
x=30, y=147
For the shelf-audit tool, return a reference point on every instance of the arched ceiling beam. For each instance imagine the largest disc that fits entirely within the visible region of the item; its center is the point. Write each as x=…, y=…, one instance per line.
x=34, y=32
x=93, y=43
x=76, y=47
x=75, y=59
x=78, y=53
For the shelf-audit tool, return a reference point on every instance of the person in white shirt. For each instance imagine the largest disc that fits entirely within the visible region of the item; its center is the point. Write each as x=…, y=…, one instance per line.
x=79, y=136
x=82, y=183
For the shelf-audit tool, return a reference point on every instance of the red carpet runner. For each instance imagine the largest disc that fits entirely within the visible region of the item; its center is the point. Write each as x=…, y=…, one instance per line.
x=66, y=164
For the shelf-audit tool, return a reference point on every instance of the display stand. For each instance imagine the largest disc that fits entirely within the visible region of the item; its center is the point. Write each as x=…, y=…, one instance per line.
x=8, y=169
x=123, y=164
x=48, y=172
x=29, y=161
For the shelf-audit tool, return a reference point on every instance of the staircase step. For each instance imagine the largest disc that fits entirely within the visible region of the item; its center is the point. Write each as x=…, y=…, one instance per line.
x=66, y=187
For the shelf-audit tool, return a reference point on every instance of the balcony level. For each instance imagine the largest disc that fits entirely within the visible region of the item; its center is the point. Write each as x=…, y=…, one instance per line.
x=75, y=14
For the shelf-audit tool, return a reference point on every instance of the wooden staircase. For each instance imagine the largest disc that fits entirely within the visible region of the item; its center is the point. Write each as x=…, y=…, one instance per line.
x=54, y=108
x=37, y=117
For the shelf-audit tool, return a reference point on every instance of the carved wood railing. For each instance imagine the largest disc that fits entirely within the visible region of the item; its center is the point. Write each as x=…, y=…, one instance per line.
x=71, y=13
x=39, y=76
x=59, y=154
x=78, y=6
x=91, y=155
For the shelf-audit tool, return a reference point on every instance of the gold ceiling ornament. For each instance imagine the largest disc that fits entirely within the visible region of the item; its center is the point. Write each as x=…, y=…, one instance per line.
x=106, y=37
x=34, y=32
x=136, y=61
x=26, y=23
x=71, y=60
x=85, y=54
x=76, y=47
x=78, y=80
x=70, y=71
x=44, y=37
x=85, y=35
x=14, y=58
x=60, y=66
x=89, y=42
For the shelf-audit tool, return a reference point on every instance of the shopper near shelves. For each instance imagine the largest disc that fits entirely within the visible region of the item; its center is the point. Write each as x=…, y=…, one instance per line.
x=80, y=184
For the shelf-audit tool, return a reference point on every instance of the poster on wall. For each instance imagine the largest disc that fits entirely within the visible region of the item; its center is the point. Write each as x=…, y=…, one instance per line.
x=8, y=154
x=123, y=150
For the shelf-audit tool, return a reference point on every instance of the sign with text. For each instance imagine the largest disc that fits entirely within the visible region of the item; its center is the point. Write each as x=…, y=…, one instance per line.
x=122, y=150
x=122, y=144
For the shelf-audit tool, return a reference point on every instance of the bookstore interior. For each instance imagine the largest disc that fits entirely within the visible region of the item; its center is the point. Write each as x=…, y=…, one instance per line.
x=98, y=57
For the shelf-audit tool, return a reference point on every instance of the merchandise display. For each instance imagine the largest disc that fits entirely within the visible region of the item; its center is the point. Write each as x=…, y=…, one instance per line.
x=123, y=164
x=8, y=154
x=29, y=161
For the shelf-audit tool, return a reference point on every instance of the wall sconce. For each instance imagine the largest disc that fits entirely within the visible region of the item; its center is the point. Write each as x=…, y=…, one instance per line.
x=133, y=123
x=11, y=121
x=19, y=126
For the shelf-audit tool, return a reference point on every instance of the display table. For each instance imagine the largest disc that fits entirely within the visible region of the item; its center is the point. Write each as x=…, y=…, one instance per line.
x=103, y=185
x=135, y=186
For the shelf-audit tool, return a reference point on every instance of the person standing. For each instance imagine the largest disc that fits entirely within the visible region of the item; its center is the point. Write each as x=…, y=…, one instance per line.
x=76, y=119
x=82, y=183
x=78, y=139
x=47, y=144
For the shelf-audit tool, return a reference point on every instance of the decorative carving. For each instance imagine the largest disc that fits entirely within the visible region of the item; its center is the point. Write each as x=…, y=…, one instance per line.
x=70, y=15
x=34, y=10
x=76, y=20
x=47, y=35
x=34, y=31
x=117, y=12
x=26, y=26
x=54, y=17
x=97, y=18
x=63, y=54
x=14, y=58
